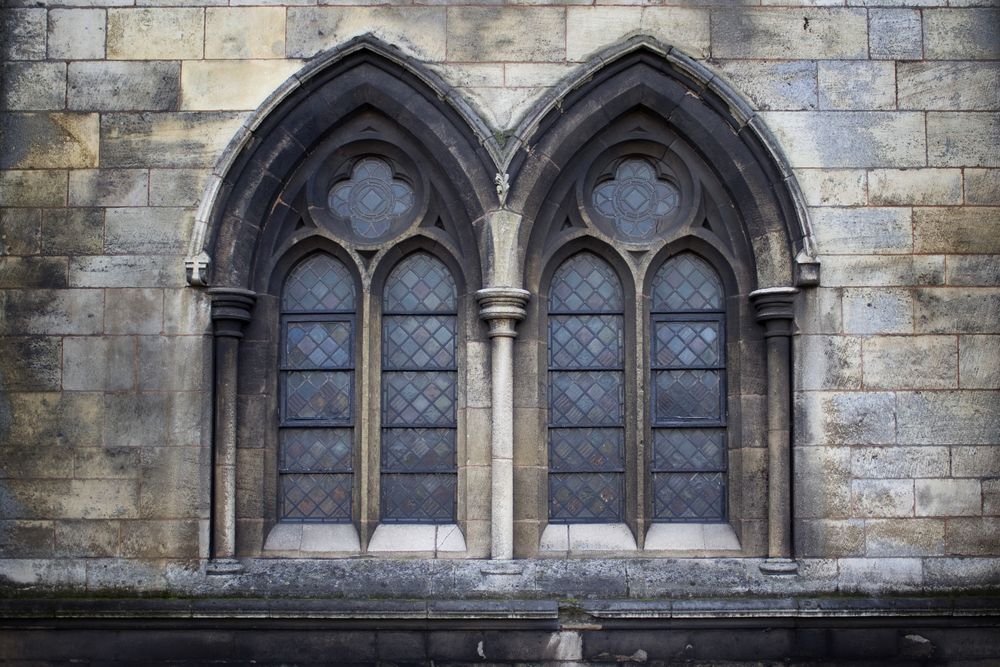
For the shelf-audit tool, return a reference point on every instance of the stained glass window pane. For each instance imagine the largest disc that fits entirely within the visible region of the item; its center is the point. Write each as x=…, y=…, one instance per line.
x=689, y=449
x=318, y=395
x=585, y=283
x=371, y=199
x=686, y=283
x=408, y=449
x=636, y=198
x=420, y=284
x=679, y=344
x=684, y=395
x=412, y=398
x=695, y=496
x=418, y=498
x=415, y=342
x=319, y=283
x=585, y=341
x=316, y=497
x=587, y=497
x=585, y=398
x=318, y=344
x=316, y=449
x=590, y=449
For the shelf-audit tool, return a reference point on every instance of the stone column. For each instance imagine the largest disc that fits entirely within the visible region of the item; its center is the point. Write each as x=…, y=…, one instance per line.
x=502, y=308
x=775, y=311
x=230, y=312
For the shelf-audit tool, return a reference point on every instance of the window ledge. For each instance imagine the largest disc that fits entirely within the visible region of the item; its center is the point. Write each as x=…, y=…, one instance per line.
x=401, y=537
x=587, y=537
x=692, y=537
x=313, y=538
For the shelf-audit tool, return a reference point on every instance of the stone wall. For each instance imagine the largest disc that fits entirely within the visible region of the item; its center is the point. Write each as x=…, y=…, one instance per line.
x=115, y=111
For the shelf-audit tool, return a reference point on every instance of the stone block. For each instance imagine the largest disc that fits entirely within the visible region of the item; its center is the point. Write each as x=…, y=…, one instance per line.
x=963, y=139
x=177, y=187
x=99, y=499
x=171, y=363
x=124, y=86
x=882, y=498
x=974, y=270
x=982, y=186
x=20, y=231
x=76, y=34
x=961, y=34
x=94, y=363
x=832, y=187
x=822, y=482
x=956, y=310
x=852, y=85
x=899, y=462
x=820, y=312
x=910, y=362
x=106, y=463
x=991, y=497
x=48, y=572
x=30, y=86
x=956, y=230
x=507, y=34
x=127, y=271
x=503, y=107
x=883, y=270
x=133, y=420
x=862, y=231
x=36, y=461
x=156, y=34
x=829, y=538
x=86, y=538
x=192, y=139
x=983, y=461
x=22, y=34
x=31, y=363
x=75, y=231
x=850, y=139
x=26, y=539
x=186, y=311
x=685, y=28
x=948, y=497
x=31, y=188
x=245, y=32
x=973, y=536
x=51, y=312
x=904, y=537
x=827, y=362
x=979, y=362
x=133, y=311
x=189, y=420
x=948, y=86
x=173, y=482
x=32, y=272
x=160, y=231
x=877, y=310
x=895, y=34
x=159, y=539
x=774, y=85
x=790, y=33
x=49, y=140
x=914, y=187
x=108, y=187
x=948, y=417
x=232, y=84
x=420, y=30
x=62, y=419
x=519, y=75
x=845, y=418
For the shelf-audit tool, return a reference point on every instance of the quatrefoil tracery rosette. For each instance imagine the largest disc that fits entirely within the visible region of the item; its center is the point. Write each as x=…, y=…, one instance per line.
x=635, y=199
x=371, y=199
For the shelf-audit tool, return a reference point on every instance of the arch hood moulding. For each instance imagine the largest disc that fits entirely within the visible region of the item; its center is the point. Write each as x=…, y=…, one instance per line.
x=500, y=180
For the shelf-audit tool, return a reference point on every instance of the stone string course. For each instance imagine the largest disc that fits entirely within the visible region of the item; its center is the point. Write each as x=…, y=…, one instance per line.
x=114, y=112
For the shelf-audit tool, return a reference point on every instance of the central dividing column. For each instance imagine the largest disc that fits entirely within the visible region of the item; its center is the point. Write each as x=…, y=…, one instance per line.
x=502, y=308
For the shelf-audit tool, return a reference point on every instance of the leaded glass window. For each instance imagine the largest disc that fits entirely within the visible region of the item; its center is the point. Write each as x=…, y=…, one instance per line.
x=316, y=432
x=419, y=386
x=688, y=369
x=586, y=392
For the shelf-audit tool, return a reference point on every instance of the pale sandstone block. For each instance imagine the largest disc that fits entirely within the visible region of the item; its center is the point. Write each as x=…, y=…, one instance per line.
x=827, y=362
x=232, y=85
x=774, y=86
x=101, y=364
x=895, y=34
x=503, y=107
x=245, y=32
x=875, y=310
x=74, y=231
x=64, y=419
x=957, y=230
x=173, y=481
x=465, y=75
x=963, y=139
x=948, y=417
x=86, y=538
x=534, y=75
x=829, y=538
x=186, y=311
x=176, y=187
x=506, y=33
x=979, y=362
x=982, y=186
x=862, y=230
x=31, y=188
x=127, y=271
x=949, y=86
x=49, y=140
x=974, y=270
x=76, y=34
x=914, y=187
x=22, y=34
x=899, y=462
x=822, y=487
x=421, y=30
x=790, y=33
x=880, y=574
x=154, y=231
x=32, y=272
x=123, y=86
x=31, y=86
x=589, y=29
x=108, y=187
x=851, y=139
x=981, y=461
x=883, y=270
x=856, y=85
x=100, y=499
x=991, y=497
x=956, y=310
x=106, y=463
x=910, y=362
x=687, y=29
x=882, y=498
x=845, y=418
x=51, y=312
x=159, y=539
x=156, y=34
x=832, y=187
x=191, y=139
x=20, y=231
x=133, y=311
x=962, y=34
x=135, y=419
x=948, y=497
x=973, y=536
x=160, y=357
x=904, y=537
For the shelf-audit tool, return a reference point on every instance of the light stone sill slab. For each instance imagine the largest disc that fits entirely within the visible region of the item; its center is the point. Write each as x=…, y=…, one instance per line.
x=691, y=537
x=313, y=538
x=410, y=537
x=587, y=537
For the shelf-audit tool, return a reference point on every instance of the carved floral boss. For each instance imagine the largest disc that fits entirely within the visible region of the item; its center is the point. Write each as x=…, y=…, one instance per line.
x=635, y=198
x=371, y=200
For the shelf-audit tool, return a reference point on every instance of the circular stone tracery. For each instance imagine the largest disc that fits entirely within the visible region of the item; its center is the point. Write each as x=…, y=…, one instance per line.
x=371, y=200
x=635, y=198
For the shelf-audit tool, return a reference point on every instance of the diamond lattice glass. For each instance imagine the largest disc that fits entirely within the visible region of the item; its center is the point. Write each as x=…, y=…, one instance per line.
x=686, y=283
x=417, y=498
x=688, y=496
x=319, y=283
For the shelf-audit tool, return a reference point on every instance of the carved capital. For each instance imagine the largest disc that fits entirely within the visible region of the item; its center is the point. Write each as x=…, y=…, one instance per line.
x=502, y=308
x=231, y=309
x=775, y=309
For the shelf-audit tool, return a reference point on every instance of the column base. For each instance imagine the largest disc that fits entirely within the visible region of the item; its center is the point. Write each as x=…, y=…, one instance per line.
x=223, y=566
x=780, y=566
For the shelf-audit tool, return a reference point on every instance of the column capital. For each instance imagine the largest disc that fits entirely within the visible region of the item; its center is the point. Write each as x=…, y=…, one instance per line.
x=775, y=308
x=502, y=308
x=231, y=309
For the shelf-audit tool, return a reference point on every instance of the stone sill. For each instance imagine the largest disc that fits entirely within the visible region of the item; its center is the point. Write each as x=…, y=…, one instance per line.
x=662, y=539
x=311, y=540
